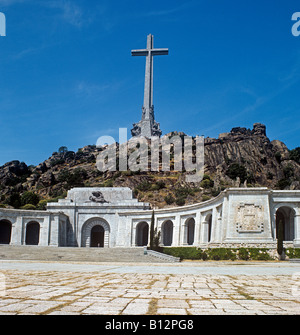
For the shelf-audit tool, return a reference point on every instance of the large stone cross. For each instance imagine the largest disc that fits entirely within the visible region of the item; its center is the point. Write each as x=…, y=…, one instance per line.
x=146, y=128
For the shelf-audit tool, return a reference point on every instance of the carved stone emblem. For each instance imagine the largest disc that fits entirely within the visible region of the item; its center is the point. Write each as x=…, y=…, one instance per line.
x=98, y=197
x=249, y=218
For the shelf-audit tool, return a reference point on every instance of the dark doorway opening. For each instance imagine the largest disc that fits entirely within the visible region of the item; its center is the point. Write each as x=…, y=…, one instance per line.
x=142, y=234
x=5, y=232
x=97, y=237
x=32, y=233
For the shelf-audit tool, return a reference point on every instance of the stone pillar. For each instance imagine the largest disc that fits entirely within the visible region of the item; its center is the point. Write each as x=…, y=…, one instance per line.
x=184, y=232
x=44, y=231
x=204, y=232
x=214, y=222
x=16, y=231
x=54, y=226
x=297, y=230
x=176, y=232
x=197, y=229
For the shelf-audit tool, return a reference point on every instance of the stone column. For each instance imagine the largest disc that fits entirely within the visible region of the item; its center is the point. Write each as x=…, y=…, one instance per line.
x=184, y=232
x=16, y=231
x=297, y=230
x=54, y=226
x=204, y=232
x=214, y=225
x=197, y=229
x=44, y=231
x=176, y=232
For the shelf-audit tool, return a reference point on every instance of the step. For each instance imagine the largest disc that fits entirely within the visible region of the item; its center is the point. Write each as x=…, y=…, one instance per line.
x=132, y=255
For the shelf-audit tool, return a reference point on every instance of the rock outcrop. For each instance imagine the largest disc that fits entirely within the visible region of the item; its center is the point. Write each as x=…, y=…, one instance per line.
x=241, y=157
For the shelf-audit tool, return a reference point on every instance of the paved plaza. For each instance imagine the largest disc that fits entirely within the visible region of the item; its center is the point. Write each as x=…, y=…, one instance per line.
x=187, y=288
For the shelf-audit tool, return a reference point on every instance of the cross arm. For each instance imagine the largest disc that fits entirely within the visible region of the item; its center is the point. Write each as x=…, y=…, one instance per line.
x=143, y=52
x=160, y=52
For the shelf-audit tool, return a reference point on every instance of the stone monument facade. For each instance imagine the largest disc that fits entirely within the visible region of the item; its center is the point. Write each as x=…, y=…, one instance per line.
x=148, y=127
x=112, y=217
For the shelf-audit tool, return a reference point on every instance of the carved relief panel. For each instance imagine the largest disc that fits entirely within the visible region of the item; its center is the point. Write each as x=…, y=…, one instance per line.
x=249, y=218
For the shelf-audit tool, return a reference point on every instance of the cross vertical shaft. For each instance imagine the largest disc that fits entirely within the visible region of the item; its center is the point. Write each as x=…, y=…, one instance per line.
x=148, y=127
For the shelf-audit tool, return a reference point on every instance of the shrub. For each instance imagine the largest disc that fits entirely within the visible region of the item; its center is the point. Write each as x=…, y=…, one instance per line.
x=169, y=199
x=243, y=254
x=28, y=207
x=144, y=186
x=14, y=200
x=283, y=183
x=29, y=198
x=221, y=254
x=42, y=205
x=72, y=179
x=259, y=254
x=236, y=170
x=180, y=201
x=218, y=254
x=292, y=253
x=205, y=197
x=295, y=155
x=184, y=252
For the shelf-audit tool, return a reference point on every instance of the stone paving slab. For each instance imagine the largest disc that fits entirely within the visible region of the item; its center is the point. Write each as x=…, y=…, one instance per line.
x=34, y=288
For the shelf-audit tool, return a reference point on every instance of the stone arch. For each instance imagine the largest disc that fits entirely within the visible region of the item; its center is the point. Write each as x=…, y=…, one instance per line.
x=32, y=236
x=286, y=214
x=190, y=231
x=88, y=229
x=167, y=233
x=5, y=231
x=142, y=234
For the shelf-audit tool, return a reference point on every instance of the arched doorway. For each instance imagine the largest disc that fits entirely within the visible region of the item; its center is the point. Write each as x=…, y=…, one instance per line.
x=286, y=215
x=97, y=237
x=167, y=233
x=95, y=233
x=5, y=232
x=142, y=234
x=32, y=233
x=190, y=231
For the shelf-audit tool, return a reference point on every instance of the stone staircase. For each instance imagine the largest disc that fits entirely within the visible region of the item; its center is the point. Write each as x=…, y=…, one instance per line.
x=68, y=254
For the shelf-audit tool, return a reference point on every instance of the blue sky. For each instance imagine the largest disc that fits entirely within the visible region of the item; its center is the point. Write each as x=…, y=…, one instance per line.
x=67, y=75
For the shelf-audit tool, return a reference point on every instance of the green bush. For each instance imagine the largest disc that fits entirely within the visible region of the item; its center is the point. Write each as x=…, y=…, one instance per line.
x=292, y=253
x=180, y=201
x=29, y=198
x=169, y=199
x=184, y=252
x=28, y=207
x=219, y=254
x=295, y=155
x=42, y=205
x=257, y=254
x=144, y=186
x=243, y=254
x=205, y=197
x=236, y=170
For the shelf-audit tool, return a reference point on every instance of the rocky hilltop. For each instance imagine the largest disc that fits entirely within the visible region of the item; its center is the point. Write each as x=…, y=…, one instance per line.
x=240, y=158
